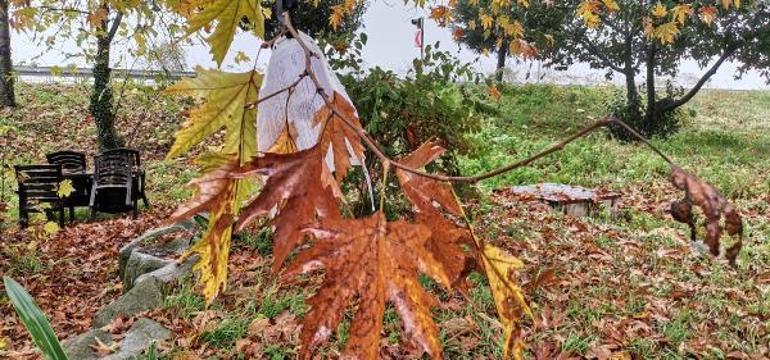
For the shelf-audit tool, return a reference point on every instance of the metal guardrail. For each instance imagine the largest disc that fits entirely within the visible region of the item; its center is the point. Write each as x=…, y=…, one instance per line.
x=43, y=71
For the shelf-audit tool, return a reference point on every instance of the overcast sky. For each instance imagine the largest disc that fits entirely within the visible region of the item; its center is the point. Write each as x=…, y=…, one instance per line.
x=391, y=46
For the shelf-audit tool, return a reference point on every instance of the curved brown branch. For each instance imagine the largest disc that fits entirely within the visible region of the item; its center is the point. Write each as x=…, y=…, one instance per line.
x=374, y=147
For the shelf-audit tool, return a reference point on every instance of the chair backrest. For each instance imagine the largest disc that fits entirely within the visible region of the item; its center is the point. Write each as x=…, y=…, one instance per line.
x=112, y=169
x=39, y=182
x=70, y=161
x=132, y=153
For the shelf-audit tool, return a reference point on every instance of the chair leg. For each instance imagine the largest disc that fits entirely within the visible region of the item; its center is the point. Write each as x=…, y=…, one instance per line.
x=144, y=199
x=23, y=217
x=72, y=213
x=61, y=216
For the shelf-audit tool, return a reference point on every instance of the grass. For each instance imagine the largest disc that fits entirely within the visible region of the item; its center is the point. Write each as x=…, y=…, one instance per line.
x=726, y=142
x=629, y=281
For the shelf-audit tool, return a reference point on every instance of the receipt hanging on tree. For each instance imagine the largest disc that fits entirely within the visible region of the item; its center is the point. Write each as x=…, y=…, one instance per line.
x=295, y=119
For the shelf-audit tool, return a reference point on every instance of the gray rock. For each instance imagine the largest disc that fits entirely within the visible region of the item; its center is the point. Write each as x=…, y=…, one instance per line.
x=143, y=241
x=172, y=272
x=142, y=334
x=80, y=346
x=148, y=292
x=139, y=264
x=144, y=296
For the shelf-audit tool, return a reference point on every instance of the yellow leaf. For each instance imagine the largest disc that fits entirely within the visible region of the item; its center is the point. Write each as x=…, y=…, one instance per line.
x=498, y=4
x=225, y=97
x=523, y=48
x=588, y=10
x=336, y=17
x=707, y=14
x=681, y=12
x=228, y=15
x=726, y=4
x=284, y=144
x=666, y=33
x=649, y=28
x=514, y=29
x=494, y=92
x=65, y=189
x=214, y=247
x=3, y=343
x=611, y=5
x=486, y=21
x=441, y=14
x=241, y=57
x=659, y=10
x=97, y=18
x=549, y=39
x=500, y=268
x=523, y=3
x=51, y=228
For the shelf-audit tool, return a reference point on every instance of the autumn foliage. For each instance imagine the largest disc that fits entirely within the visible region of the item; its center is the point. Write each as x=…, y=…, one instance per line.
x=365, y=263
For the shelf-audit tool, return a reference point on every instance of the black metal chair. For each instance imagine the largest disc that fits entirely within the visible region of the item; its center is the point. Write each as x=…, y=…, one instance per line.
x=112, y=190
x=39, y=184
x=70, y=161
x=139, y=180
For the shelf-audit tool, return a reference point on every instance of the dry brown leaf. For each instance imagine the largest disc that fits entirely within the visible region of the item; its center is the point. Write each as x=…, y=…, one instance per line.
x=369, y=261
x=297, y=188
x=212, y=191
x=714, y=206
x=431, y=199
x=344, y=141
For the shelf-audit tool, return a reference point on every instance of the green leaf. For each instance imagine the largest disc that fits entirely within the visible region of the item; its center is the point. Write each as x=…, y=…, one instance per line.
x=34, y=320
x=226, y=96
x=228, y=15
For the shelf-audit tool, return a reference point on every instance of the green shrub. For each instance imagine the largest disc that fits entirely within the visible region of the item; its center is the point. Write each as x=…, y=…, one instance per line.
x=428, y=103
x=438, y=99
x=664, y=124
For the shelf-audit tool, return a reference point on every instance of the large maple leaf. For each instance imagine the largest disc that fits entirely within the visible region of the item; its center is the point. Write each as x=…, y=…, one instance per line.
x=225, y=97
x=216, y=194
x=436, y=206
x=228, y=15
x=298, y=187
x=451, y=240
x=370, y=262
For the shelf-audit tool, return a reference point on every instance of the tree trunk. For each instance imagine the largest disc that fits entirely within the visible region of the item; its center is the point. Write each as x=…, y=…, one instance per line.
x=7, y=95
x=101, y=96
x=502, y=55
x=632, y=93
x=651, y=112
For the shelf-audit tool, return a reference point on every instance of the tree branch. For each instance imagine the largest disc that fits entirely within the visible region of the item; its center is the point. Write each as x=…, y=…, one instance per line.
x=386, y=161
x=115, y=26
x=595, y=52
x=66, y=10
x=703, y=80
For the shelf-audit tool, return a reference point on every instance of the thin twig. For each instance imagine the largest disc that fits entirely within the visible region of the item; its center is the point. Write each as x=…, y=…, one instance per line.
x=290, y=87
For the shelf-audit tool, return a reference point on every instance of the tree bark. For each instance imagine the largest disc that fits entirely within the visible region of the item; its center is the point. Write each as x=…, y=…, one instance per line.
x=502, y=55
x=632, y=93
x=651, y=111
x=7, y=93
x=101, y=95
